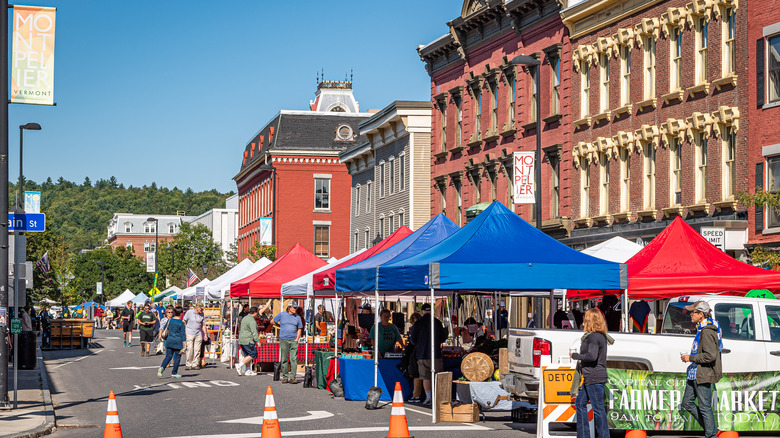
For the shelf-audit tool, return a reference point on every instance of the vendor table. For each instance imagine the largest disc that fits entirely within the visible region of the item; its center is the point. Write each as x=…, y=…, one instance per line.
x=357, y=377
x=269, y=352
x=321, y=362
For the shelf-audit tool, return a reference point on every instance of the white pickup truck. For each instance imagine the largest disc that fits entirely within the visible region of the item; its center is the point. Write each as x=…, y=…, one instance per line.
x=751, y=342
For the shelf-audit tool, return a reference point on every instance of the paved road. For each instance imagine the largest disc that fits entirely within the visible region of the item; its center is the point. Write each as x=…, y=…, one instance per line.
x=215, y=401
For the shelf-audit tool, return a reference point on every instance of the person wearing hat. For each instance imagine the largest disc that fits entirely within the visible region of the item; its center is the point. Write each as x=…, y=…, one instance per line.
x=503, y=321
x=705, y=368
x=290, y=329
x=421, y=338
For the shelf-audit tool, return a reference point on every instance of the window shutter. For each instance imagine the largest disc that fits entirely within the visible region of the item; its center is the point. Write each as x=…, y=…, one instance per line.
x=759, y=208
x=760, y=57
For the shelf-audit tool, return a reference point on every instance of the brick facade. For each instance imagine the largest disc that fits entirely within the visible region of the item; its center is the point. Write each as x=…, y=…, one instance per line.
x=471, y=164
x=656, y=116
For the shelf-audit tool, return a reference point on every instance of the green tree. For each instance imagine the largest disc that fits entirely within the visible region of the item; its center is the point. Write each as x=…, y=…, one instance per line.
x=258, y=251
x=45, y=285
x=193, y=248
x=122, y=271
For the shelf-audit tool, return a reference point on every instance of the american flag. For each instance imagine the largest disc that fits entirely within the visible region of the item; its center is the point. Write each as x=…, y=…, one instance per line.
x=43, y=263
x=191, y=279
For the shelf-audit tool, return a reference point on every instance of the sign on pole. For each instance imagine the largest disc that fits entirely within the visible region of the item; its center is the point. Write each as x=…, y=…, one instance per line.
x=265, y=231
x=27, y=222
x=32, y=61
x=716, y=236
x=99, y=288
x=16, y=326
x=523, y=165
x=150, y=261
x=32, y=202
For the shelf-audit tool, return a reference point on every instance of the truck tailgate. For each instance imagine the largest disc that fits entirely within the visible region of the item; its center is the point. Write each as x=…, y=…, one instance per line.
x=520, y=349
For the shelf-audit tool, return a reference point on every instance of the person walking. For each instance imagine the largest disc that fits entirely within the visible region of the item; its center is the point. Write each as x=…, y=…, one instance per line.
x=127, y=317
x=173, y=343
x=290, y=328
x=146, y=321
x=593, y=367
x=705, y=369
x=196, y=331
x=248, y=339
x=421, y=338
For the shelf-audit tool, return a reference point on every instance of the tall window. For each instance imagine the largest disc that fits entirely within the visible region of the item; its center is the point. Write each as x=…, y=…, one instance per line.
x=625, y=75
x=368, y=197
x=625, y=179
x=128, y=227
x=129, y=245
x=729, y=48
x=321, y=193
x=729, y=169
x=675, y=161
x=147, y=247
x=355, y=242
x=443, y=198
x=774, y=68
x=367, y=237
x=477, y=180
x=401, y=172
x=555, y=201
x=532, y=97
x=392, y=176
x=459, y=120
x=459, y=199
x=701, y=168
x=604, y=188
x=322, y=241
x=381, y=179
x=675, y=76
x=584, y=188
x=171, y=228
x=604, y=91
x=701, y=51
x=443, y=124
x=648, y=189
x=493, y=106
x=509, y=187
x=400, y=219
x=381, y=228
x=492, y=178
x=357, y=201
x=772, y=186
x=478, y=112
x=649, y=87
x=150, y=227
x=512, y=94
x=555, y=99
x=584, y=88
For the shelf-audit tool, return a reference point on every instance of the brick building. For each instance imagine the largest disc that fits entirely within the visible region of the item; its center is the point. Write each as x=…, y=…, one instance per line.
x=658, y=95
x=484, y=108
x=137, y=233
x=763, y=49
x=291, y=186
x=390, y=172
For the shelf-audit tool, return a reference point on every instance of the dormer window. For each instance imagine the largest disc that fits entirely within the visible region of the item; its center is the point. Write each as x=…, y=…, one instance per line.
x=128, y=227
x=171, y=228
x=149, y=227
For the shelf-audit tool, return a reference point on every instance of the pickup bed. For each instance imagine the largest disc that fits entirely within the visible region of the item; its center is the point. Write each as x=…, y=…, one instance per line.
x=751, y=342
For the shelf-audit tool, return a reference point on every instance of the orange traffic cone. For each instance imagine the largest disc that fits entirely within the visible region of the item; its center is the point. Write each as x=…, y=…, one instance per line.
x=399, y=428
x=728, y=434
x=636, y=434
x=270, y=427
x=113, y=428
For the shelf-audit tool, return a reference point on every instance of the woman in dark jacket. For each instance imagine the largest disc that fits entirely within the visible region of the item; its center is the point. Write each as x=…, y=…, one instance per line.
x=593, y=361
x=174, y=343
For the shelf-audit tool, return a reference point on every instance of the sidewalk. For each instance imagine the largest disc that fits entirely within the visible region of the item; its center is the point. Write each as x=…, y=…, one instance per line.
x=35, y=416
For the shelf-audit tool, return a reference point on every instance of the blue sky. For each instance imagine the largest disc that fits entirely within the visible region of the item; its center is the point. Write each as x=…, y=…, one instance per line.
x=170, y=91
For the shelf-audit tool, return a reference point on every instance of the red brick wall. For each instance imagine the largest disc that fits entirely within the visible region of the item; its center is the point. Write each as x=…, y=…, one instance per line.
x=138, y=242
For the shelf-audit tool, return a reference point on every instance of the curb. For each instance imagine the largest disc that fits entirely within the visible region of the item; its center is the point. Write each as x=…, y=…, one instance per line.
x=50, y=424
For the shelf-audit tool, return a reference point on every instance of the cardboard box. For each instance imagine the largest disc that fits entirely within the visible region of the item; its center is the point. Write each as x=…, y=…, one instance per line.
x=465, y=413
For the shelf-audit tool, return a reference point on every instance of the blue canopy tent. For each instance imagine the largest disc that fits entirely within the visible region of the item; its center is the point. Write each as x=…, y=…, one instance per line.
x=498, y=250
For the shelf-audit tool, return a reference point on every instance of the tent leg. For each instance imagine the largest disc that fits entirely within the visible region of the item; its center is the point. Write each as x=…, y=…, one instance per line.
x=552, y=308
x=625, y=311
x=434, y=405
x=509, y=311
x=376, y=334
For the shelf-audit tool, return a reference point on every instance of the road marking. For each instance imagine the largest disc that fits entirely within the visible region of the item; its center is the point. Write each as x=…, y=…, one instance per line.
x=418, y=411
x=313, y=415
x=195, y=384
x=70, y=362
x=111, y=337
x=452, y=428
x=134, y=368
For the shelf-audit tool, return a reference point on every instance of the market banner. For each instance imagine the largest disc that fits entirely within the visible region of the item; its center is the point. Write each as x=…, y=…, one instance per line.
x=523, y=166
x=644, y=400
x=32, y=61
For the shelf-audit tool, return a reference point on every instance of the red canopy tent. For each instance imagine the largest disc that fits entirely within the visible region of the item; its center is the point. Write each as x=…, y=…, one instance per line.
x=679, y=261
x=395, y=237
x=267, y=282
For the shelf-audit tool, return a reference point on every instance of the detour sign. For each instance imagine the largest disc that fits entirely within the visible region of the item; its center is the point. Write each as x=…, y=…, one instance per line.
x=557, y=385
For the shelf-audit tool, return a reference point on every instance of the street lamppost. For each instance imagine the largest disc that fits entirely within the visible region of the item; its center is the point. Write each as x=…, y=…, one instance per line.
x=535, y=64
x=156, y=240
x=102, y=278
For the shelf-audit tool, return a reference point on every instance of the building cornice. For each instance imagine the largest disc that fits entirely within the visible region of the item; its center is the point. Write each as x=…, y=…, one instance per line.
x=591, y=15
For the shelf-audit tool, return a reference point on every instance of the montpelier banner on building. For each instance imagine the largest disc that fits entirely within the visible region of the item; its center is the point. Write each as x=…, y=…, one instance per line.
x=523, y=177
x=644, y=400
x=32, y=61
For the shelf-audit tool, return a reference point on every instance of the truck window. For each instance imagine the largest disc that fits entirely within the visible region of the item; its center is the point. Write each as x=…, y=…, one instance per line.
x=773, y=315
x=678, y=320
x=736, y=320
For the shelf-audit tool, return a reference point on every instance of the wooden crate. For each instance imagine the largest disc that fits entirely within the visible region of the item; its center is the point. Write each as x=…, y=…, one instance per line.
x=465, y=413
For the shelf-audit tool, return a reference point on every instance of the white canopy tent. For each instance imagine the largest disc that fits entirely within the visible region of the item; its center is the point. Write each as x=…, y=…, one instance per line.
x=616, y=249
x=191, y=292
x=213, y=290
x=120, y=301
x=302, y=286
x=224, y=290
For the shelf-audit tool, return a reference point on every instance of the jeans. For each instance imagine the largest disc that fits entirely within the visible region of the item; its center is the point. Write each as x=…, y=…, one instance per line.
x=289, y=350
x=170, y=353
x=595, y=394
x=193, y=350
x=703, y=412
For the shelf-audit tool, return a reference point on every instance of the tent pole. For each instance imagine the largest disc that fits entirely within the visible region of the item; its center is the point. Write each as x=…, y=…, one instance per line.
x=552, y=308
x=434, y=406
x=509, y=317
x=376, y=327
x=625, y=311
x=336, y=337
